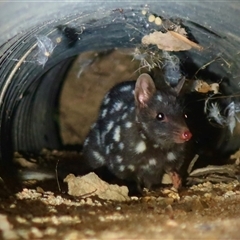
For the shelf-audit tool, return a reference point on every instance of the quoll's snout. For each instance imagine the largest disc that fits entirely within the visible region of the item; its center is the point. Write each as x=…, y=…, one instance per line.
x=186, y=135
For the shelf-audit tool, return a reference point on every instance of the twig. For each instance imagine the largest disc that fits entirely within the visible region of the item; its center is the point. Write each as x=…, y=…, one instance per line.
x=87, y=194
x=205, y=65
x=190, y=167
x=56, y=172
x=225, y=169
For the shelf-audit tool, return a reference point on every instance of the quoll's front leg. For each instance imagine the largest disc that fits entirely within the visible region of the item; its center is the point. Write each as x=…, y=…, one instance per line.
x=176, y=179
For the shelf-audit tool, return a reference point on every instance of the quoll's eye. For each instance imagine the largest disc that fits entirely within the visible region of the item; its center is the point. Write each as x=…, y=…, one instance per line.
x=185, y=115
x=160, y=116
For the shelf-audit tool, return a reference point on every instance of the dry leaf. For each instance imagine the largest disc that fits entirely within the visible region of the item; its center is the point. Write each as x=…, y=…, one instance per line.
x=186, y=40
x=180, y=30
x=170, y=41
x=203, y=87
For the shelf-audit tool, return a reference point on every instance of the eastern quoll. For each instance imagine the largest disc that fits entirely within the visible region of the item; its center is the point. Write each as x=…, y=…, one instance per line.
x=140, y=133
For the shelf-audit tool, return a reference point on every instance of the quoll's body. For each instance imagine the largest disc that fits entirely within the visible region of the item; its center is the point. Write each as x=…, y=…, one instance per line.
x=140, y=133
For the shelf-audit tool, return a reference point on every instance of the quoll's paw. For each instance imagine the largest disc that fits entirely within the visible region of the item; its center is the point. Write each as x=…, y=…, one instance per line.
x=176, y=180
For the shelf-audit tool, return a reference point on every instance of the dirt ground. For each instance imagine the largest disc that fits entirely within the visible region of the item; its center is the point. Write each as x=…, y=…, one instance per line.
x=45, y=210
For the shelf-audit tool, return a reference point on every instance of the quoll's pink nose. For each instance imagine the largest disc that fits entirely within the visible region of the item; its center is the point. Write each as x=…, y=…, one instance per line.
x=186, y=135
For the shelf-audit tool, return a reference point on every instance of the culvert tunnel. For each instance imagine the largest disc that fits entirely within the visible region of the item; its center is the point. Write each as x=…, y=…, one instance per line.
x=58, y=59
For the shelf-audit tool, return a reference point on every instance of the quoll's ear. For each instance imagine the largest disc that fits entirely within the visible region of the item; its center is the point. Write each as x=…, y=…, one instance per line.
x=179, y=86
x=144, y=89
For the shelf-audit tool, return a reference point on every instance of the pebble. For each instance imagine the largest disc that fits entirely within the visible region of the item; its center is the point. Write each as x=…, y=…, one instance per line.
x=229, y=194
x=134, y=198
x=171, y=223
x=149, y=198
x=158, y=21
x=72, y=235
x=118, y=208
x=50, y=231
x=12, y=205
x=20, y=219
x=151, y=18
x=36, y=232
x=89, y=201
x=207, y=195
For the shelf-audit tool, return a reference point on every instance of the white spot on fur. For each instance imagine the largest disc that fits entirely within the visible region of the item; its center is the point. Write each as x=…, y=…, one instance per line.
x=118, y=105
x=145, y=167
x=155, y=145
x=132, y=109
x=121, y=146
x=107, y=150
x=98, y=156
x=106, y=100
x=144, y=126
x=141, y=147
x=103, y=136
x=124, y=116
x=111, y=146
x=143, y=136
x=131, y=167
x=128, y=124
x=171, y=156
x=121, y=168
x=104, y=113
x=152, y=162
x=98, y=138
x=86, y=142
x=159, y=98
x=119, y=159
x=126, y=88
x=111, y=165
x=116, y=135
x=109, y=126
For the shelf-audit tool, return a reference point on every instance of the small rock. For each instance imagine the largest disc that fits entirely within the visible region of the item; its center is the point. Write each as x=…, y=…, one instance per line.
x=50, y=231
x=39, y=190
x=118, y=208
x=229, y=194
x=89, y=201
x=171, y=223
x=91, y=184
x=207, y=195
x=5, y=225
x=20, y=219
x=36, y=232
x=148, y=198
x=134, y=198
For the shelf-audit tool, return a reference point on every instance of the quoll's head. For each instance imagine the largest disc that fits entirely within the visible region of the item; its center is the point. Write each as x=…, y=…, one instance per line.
x=159, y=114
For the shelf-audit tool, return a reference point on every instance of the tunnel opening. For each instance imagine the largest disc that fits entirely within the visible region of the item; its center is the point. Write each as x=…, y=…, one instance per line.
x=42, y=110
x=76, y=87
